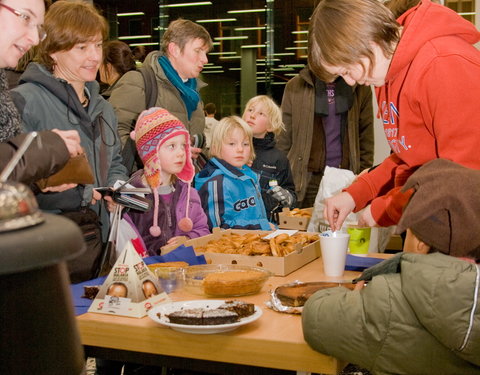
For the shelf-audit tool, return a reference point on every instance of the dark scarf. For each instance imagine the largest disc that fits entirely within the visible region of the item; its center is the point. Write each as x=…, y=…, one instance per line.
x=187, y=89
x=9, y=117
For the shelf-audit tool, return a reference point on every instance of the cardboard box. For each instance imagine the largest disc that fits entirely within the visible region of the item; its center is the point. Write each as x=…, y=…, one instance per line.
x=280, y=266
x=285, y=221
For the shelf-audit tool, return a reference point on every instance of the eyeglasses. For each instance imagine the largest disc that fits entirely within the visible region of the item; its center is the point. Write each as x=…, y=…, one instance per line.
x=26, y=19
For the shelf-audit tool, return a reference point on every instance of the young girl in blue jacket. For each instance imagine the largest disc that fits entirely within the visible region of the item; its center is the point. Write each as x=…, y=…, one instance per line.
x=228, y=188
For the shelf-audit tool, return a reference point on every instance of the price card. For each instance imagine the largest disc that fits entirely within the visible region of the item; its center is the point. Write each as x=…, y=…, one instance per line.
x=117, y=305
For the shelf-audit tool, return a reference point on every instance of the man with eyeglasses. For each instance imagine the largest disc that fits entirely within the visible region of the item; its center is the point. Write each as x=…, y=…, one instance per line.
x=21, y=27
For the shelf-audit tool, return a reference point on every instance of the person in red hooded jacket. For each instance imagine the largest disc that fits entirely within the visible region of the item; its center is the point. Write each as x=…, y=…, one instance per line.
x=427, y=77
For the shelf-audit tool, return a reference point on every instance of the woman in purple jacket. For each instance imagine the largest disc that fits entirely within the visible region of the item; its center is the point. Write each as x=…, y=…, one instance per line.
x=163, y=143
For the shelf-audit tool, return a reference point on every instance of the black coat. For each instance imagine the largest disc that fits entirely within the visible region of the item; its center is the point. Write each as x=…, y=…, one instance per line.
x=272, y=164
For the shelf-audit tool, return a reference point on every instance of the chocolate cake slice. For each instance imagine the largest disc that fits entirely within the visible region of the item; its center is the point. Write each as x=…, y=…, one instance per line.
x=205, y=317
x=243, y=309
x=190, y=317
x=90, y=291
x=219, y=316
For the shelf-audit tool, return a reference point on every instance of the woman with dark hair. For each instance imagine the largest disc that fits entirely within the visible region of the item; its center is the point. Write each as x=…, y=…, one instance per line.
x=60, y=91
x=117, y=60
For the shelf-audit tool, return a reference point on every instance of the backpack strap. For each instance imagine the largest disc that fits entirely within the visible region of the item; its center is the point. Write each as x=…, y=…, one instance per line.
x=151, y=89
x=129, y=151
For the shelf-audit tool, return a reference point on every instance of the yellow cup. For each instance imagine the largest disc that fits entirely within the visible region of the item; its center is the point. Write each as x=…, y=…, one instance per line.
x=359, y=240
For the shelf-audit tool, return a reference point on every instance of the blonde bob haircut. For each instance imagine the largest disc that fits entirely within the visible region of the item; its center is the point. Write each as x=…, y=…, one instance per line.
x=224, y=129
x=273, y=112
x=68, y=23
x=181, y=32
x=341, y=32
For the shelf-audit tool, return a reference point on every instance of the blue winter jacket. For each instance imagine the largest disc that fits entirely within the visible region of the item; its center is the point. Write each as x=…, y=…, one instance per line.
x=231, y=197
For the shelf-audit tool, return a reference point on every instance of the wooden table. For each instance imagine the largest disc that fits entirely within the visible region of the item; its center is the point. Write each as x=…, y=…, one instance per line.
x=274, y=341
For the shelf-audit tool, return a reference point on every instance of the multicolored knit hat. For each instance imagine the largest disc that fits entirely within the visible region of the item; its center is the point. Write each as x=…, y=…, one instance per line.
x=153, y=128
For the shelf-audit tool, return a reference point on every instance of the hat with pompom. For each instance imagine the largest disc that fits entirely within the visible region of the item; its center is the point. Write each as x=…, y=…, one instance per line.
x=153, y=128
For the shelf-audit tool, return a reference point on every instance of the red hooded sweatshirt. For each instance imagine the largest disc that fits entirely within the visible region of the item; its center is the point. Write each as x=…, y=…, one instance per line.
x=429, y=106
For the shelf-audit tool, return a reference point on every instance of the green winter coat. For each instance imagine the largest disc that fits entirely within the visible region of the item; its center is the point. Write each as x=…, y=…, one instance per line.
x=128, y=99
x=423, y=320
x=46, y=102
x=298, y=111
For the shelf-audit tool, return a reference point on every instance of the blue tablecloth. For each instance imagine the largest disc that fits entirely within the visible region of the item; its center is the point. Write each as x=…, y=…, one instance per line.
x=182, y=253
x=186, y=254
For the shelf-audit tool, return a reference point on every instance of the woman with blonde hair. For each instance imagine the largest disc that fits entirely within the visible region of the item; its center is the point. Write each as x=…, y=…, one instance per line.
x=227, y=186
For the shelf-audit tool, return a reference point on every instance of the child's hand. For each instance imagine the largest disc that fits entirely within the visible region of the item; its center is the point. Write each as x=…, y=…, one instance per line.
x=178, y=240
x=282, y=195
x=360, y=285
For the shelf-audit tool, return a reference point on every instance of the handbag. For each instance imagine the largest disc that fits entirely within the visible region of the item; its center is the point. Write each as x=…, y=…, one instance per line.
x=76, y=171
x=85, y=266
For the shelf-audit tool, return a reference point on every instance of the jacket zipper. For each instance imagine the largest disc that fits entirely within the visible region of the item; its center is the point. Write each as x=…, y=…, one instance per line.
x=474, y=307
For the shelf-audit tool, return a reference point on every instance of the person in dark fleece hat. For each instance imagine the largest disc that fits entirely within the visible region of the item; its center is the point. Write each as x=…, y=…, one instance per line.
x=420, y=311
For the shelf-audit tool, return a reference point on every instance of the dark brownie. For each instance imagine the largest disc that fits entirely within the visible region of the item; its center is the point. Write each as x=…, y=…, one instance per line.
x=202, y=317
x=190, y=317
x=243, y=309
x=219, y=316
x=90, y=291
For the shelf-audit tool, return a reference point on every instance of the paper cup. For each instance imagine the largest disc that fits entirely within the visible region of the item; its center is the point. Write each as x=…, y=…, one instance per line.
x=334, y=252
x=359, y=240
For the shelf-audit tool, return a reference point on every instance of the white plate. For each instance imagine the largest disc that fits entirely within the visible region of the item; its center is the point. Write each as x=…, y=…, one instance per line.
x=167, y=308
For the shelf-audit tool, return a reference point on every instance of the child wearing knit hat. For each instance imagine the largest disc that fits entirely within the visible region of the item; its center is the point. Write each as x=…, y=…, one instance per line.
x=163, y=144
x=229, y=189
